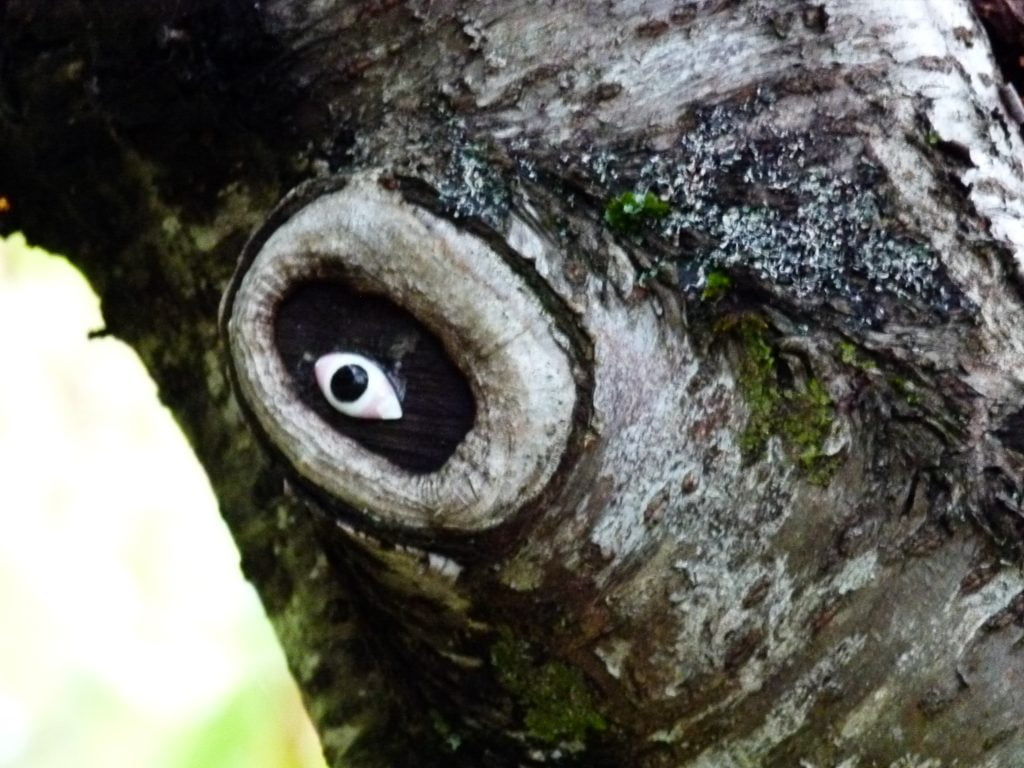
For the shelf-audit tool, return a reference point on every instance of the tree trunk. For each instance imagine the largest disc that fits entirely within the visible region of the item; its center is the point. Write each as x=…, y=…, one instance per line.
x=705, y=319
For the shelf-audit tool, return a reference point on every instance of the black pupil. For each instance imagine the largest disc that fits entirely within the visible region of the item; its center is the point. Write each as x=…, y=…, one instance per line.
x=349, y=382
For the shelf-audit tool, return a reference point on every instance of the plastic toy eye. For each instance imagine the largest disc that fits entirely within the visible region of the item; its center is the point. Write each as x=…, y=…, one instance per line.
x=356, y=387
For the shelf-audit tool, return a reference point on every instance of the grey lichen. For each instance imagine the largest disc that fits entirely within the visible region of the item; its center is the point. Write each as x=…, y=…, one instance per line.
x=807, y=214
x=474, y=188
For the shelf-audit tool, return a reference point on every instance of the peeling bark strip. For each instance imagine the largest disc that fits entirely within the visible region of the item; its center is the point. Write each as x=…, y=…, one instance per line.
x=715, y=309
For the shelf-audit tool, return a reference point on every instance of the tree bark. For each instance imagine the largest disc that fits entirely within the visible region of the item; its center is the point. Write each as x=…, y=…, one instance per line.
x=769, y=509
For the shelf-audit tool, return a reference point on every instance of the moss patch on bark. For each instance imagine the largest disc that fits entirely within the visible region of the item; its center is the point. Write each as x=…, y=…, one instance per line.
x=801, y=417
x=557, y=707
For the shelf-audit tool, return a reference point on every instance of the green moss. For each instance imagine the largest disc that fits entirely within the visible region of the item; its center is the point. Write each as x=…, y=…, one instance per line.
x=627, y=211
x=757, y=380
x=556, y=704
x=807, y=423
x=802, y=418
x=906, y=389
x=850, y=355
x=716, y=285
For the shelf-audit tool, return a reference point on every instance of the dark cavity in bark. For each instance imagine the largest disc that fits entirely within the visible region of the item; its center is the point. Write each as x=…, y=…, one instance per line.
x=437, y=403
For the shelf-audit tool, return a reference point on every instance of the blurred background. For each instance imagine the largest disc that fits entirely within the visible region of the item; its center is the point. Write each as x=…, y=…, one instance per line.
x=129, y=637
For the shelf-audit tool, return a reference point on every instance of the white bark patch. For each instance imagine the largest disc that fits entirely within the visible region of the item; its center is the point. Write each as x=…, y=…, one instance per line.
x=966, y=615
x=786, y=718
x=643, y=375
x=715, y=602
x=959, y=100
x=599, y=62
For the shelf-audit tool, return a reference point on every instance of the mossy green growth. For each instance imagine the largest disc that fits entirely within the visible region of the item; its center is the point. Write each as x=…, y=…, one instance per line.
x=627, y=211
x=716, y=285
x=757, y=379
x=906, y=389
x=850, y=355
x=556, y=704
x=803, y=419
x=806, y=425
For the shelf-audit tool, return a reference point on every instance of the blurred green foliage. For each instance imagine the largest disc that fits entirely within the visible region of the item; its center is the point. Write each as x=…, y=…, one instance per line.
x=130, y=637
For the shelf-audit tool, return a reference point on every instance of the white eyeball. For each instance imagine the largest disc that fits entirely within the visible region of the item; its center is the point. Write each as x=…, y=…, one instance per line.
x=357, y=387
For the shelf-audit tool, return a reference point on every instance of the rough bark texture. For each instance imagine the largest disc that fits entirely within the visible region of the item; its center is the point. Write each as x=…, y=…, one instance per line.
x=788, y=527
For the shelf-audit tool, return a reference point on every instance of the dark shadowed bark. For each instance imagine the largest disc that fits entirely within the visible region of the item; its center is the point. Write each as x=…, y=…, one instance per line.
x=706, y=323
